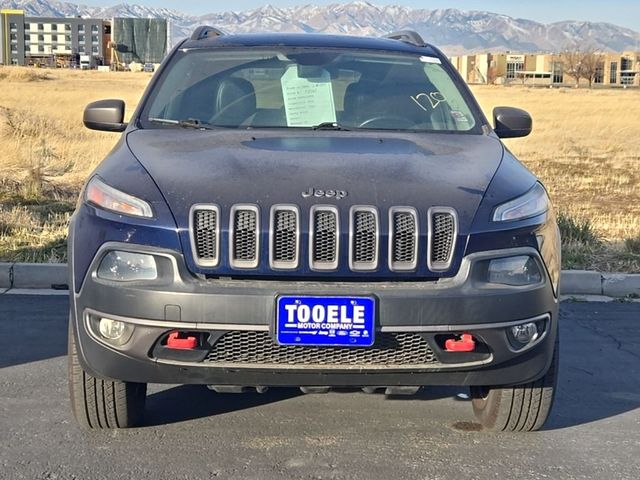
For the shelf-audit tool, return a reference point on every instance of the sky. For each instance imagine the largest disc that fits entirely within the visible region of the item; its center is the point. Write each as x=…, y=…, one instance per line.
x=625, y=13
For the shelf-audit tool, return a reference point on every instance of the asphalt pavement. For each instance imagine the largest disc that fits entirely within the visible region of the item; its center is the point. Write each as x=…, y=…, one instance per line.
x=192, y=433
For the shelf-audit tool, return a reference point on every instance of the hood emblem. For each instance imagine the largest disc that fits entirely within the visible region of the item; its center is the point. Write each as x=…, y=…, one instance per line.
x=315, y=192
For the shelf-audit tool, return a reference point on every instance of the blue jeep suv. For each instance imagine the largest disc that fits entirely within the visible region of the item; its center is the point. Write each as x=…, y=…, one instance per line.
x=312, y=211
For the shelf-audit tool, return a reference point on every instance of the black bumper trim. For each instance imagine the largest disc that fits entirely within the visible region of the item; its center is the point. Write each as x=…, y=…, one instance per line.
x=461, y=303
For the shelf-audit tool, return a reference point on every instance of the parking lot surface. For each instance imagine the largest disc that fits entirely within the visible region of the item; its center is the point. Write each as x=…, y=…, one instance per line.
x=192, y=433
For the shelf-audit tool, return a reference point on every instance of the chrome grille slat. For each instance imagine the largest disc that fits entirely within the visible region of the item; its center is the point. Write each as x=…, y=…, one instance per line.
x=244, y=236
x=443, y=229
x=258, y=348
x=284, y=237
x=324, y=237
x=403, y=238
x=363, y=238
x=205, y=227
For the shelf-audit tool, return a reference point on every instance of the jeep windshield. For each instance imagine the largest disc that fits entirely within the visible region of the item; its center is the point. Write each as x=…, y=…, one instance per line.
x=308, y=88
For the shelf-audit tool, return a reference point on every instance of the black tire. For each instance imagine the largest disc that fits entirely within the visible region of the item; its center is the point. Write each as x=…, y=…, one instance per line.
x=521, y=408
x=103, y=404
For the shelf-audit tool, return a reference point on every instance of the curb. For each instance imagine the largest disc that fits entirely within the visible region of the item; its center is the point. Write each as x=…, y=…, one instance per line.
x=33, y=275
x=584, y=282
x=574, y=282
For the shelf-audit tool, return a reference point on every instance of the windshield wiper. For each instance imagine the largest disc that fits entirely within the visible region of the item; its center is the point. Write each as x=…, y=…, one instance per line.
x=188, y=123
x=330, y=126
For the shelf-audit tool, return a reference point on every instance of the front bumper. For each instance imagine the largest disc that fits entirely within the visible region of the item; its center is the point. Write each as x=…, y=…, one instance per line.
x=433, y=310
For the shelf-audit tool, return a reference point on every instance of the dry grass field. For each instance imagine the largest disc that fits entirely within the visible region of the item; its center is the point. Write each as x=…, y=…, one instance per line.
x=585, y=147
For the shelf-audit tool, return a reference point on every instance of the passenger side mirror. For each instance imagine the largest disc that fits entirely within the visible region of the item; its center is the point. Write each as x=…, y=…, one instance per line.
x=511, y=122
x=105, y=115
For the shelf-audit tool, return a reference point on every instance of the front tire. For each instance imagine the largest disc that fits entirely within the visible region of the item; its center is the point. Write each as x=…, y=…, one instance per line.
x=521, y=408
x=102, y=404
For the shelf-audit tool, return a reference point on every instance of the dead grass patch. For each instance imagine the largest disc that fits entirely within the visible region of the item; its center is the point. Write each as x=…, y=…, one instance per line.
x=13, y=74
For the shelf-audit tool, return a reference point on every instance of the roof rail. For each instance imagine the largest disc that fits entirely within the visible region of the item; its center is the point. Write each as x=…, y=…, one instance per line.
x=205, y=31
x=407, y=36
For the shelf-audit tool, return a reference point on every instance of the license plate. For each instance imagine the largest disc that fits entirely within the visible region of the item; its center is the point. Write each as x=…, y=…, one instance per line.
x=325, y=321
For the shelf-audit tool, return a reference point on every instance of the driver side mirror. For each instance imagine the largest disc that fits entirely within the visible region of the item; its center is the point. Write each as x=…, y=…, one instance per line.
x=511, y=122
x=105, y=115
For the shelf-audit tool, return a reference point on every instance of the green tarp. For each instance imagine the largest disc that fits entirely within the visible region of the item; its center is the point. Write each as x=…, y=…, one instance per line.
x=142, y=40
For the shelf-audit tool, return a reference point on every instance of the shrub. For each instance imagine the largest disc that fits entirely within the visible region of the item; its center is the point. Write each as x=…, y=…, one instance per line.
x=633, y=245
x=580, y=231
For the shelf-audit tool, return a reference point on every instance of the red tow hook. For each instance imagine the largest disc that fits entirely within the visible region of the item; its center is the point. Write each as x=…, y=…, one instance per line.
x=465, y=344
x=176, y=343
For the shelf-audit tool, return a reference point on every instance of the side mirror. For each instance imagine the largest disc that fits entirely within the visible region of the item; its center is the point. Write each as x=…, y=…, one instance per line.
x=105, y=115
x=511, y=122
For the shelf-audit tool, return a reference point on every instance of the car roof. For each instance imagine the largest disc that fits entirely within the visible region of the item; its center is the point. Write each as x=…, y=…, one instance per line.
x=312, y=40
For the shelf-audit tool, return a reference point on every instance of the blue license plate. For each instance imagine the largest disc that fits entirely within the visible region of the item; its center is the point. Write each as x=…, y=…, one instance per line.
x=325, y=321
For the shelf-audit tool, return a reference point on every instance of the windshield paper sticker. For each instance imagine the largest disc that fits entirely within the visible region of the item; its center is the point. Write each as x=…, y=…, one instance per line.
x=425, y=59
x=307, y=101
x=459, y=117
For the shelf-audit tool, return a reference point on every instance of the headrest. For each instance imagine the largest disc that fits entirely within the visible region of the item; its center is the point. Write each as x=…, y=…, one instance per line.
x=235, y=102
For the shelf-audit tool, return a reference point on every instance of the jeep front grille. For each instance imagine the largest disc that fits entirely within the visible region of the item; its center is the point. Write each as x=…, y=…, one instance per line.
x=365, y=238
x=257, y=348
x=323, y=238
x=285, y=235
x=363, y=253
x=403, y=238
x=244, y=235
x=443, y=228
x=205, y=229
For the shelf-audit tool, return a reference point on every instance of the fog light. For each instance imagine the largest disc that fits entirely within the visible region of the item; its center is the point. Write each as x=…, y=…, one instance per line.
x=515, y=271
x=111, y=329
x=525, y=333
x=127, y=267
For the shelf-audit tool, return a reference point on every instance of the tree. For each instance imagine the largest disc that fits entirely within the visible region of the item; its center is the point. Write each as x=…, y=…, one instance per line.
x=593, y=66
x=581, y=64
x=572, y=61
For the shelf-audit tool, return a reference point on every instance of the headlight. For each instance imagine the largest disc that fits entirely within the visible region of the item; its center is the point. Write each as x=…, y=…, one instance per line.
x=531, y=204
x=127, y=267
x=515, y=271
x=102, y=195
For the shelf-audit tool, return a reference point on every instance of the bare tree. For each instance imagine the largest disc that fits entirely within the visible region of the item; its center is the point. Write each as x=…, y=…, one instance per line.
x=583, y=64
x=593, y=66
x=572, y=61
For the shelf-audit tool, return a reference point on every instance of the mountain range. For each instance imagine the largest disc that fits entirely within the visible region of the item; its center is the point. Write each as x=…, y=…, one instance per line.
x=453, y=30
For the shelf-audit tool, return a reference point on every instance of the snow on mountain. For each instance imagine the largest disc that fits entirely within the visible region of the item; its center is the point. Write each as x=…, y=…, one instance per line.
x=453, y=30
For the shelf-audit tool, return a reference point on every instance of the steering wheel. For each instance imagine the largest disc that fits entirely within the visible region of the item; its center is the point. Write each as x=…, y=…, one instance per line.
x=396, y=122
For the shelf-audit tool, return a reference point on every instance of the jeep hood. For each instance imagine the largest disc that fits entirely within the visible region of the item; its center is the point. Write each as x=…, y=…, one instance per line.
x=271, y=167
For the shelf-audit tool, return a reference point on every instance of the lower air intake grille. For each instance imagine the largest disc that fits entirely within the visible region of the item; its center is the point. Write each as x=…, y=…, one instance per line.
x=205, y=235
x=258, y=348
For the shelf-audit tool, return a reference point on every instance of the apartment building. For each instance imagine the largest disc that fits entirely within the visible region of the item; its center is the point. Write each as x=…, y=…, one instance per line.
x=65, y=41
x=47, y=40
x=614, y=69
x=11, y=37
